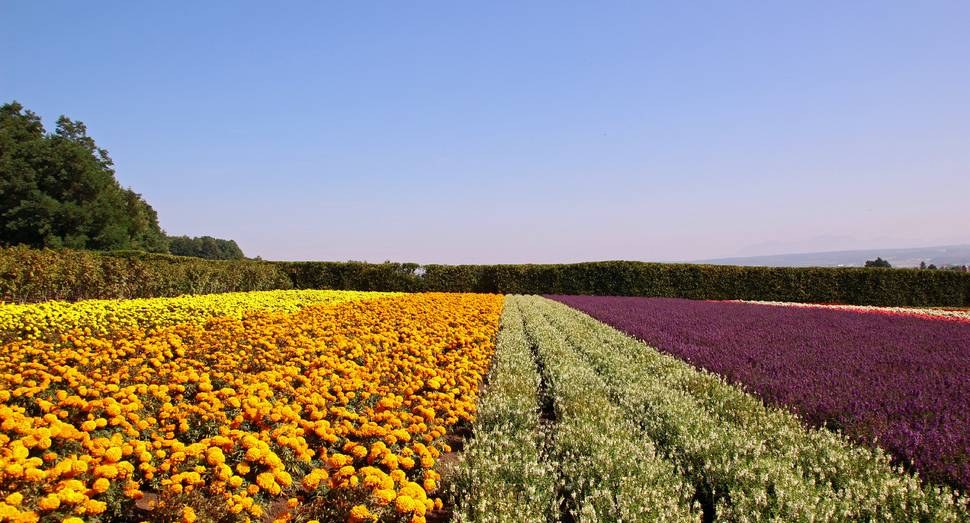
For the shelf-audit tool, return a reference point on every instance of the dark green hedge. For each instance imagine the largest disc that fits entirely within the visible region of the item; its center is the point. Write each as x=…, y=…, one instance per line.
x=28, y=275
x=850, y=285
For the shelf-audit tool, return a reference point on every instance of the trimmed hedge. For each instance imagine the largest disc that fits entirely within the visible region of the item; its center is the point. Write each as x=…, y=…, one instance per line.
x=848, y=285
x=28, y=275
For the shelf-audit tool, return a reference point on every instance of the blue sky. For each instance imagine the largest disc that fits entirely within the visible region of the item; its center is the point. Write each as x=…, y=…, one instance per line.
x=515, y=132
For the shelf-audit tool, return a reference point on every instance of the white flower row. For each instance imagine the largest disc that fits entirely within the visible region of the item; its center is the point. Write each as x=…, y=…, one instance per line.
x=922, y=311
x=504, y=477
x=607, y=469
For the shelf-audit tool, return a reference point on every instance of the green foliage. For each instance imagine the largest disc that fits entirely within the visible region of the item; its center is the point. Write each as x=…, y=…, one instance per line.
x=58, y=190
x=206, y=247
x=878, y=262
x=31, y=275
x=848, y=285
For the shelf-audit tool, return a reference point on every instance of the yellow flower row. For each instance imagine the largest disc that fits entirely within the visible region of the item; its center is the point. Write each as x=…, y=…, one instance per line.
x=42, y=320
x=339, y=408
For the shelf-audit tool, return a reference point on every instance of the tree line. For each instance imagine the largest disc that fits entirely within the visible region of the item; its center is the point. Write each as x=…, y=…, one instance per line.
x=58, y=190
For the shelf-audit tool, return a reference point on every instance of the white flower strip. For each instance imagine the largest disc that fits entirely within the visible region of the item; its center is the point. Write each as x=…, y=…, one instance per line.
x=915, y=311
x=607, y=469
x=503, y=478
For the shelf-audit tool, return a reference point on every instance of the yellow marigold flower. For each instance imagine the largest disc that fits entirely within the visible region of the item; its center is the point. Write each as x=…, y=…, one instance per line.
x=385, y=496
x=243, y=468
x=390, y=461
x=93, y=506
x=50, y=502
x=405, y=504
x=73, y=520
x=14, y=499
x=292, y=503
x=79, y=467
x=113, y=455
x=215, y=456
x=339, y=460
x=372, y=481
x=34, y=475
x=430, y=485
x=359, y=513
x=188, y=515
x=265, y=480
x=88, y=426
x=101, y=485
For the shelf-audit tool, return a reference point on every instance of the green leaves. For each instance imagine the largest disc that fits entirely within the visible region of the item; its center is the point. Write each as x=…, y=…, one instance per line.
x=58, y=190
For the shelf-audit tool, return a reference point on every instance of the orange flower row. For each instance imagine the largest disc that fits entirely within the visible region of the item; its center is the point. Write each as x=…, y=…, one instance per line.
x=341, y=406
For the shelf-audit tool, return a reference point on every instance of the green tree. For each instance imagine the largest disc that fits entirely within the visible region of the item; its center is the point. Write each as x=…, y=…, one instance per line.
x=59, y=190
x=878, y=262
x=205, y=247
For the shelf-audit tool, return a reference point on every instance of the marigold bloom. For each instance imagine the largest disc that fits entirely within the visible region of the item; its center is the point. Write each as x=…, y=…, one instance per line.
x=50, y=502
x=405, y=504
x=101, y=485
x=359, y=513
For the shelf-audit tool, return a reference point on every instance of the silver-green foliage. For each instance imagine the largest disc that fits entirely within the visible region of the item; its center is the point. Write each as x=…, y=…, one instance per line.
x=608, y=470
x=503, y=476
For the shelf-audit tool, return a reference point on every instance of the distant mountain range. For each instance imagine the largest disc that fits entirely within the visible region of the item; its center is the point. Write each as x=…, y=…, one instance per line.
x=907, y=257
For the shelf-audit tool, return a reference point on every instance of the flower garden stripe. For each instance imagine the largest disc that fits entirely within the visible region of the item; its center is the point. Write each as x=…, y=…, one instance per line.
x=49, y=320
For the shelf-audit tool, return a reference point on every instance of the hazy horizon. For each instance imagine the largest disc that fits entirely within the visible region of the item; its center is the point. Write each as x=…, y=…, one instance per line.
x=547, y=132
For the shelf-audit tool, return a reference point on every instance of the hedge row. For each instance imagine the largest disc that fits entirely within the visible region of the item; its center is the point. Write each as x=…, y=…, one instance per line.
x=28, y=275
x=849, y=285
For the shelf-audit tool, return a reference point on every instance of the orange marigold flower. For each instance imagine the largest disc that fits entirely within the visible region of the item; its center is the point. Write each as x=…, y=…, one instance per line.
x=101, y=485
x=50, y=502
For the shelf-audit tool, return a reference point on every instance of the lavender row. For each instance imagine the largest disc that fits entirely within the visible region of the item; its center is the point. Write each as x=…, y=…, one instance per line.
x=899, y=382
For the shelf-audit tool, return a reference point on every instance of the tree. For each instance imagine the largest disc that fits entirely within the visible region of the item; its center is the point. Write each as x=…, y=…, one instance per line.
x=59, y=190
x=878, y=262
x=205, y=247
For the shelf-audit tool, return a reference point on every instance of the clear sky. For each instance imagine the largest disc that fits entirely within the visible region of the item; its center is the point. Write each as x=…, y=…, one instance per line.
x=514, y=132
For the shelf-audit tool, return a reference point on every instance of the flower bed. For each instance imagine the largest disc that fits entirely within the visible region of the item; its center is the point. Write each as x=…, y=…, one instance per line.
x=337, y=412
x=900, y=382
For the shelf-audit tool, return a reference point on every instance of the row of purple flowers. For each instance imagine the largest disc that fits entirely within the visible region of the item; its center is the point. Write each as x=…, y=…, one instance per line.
x=899, y=382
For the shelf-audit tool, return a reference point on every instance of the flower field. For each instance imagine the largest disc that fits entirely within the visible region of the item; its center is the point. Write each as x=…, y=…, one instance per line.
x=237, y=407
x=580, y=422
x=51, y=319
x=334, y=406
x=898, y=379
